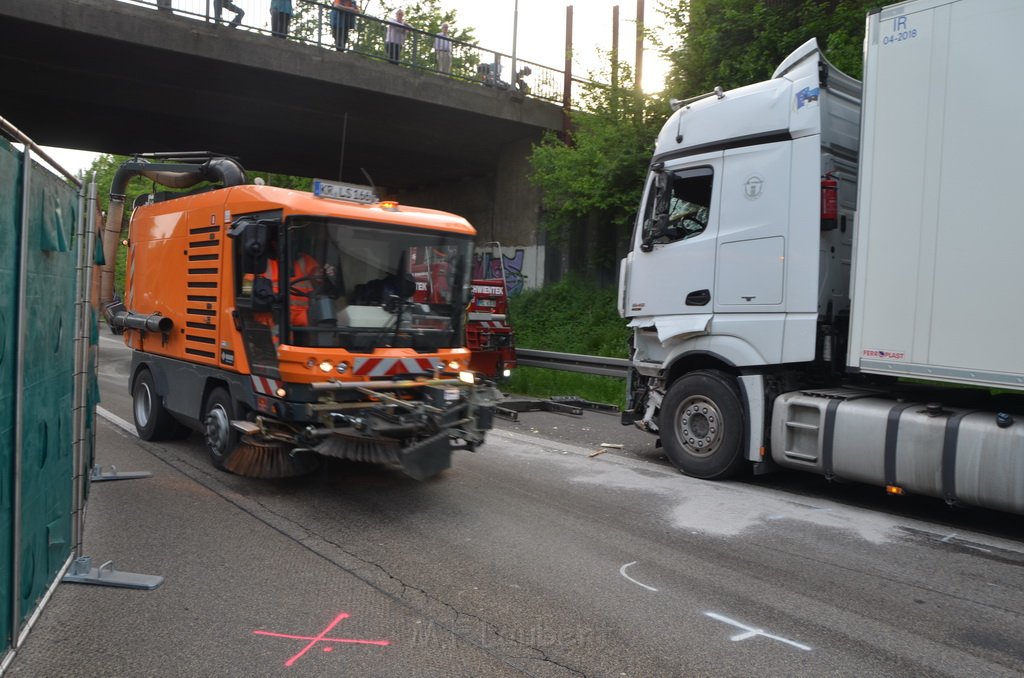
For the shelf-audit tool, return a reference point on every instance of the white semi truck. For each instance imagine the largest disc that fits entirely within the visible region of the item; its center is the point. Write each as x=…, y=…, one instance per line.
x=826, y=275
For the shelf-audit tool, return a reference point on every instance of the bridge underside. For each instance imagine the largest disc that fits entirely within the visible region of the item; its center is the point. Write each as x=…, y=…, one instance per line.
x=105, y=76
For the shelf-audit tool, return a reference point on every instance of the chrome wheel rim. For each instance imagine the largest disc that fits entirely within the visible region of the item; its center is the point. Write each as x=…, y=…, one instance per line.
x=218, y=430
x=143, y=406
x=699, y=426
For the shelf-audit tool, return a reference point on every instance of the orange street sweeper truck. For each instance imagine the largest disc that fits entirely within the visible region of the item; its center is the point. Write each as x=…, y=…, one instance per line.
x=287, y=326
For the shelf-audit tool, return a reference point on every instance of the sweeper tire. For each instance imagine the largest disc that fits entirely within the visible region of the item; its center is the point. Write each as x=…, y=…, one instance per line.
x=152, y=420
x=218, y=434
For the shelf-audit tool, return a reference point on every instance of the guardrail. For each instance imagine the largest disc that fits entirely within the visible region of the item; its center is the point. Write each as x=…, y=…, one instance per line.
x=573, y=362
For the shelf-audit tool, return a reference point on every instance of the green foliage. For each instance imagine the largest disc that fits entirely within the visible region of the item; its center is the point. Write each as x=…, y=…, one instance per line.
x=428, y=15
x=543, y=383
x=593, y=179
x=104, y=167
x=311, y=23
x=572, y=316
x=284, y=181
x=602, y=167
x=730, y=43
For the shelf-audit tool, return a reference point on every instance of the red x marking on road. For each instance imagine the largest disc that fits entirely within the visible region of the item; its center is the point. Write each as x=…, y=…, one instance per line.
x=320, y=638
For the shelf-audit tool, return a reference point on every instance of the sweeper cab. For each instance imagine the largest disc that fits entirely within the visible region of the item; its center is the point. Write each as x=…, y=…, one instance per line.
x=288, y=326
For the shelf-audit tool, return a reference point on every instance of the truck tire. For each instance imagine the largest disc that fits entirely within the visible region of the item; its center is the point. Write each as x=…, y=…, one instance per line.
x=218, y=434
x=152, y=420
x=701, y=425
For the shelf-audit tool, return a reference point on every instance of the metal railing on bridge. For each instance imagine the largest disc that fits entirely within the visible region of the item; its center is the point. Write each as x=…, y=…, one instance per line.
x=312, y=24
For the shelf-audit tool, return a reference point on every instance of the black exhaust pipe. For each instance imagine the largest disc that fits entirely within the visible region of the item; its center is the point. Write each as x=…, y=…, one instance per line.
x=119, y=318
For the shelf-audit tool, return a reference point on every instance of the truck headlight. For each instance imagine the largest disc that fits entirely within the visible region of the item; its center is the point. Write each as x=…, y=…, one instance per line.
x=326, y=366
x=467, y=377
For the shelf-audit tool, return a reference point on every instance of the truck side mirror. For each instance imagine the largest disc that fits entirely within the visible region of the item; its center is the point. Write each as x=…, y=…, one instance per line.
x=263, y=297
x=656, y=225
x=252, y=243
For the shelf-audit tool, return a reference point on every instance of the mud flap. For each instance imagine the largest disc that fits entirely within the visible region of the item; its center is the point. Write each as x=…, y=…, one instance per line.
x=428, y=457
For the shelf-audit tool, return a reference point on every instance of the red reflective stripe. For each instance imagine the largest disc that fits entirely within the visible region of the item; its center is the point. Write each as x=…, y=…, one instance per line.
x=389, y=367
x=366, y=367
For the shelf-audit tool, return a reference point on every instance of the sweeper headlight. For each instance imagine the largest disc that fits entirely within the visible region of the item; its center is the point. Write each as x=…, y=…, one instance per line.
x=454, y=365
x=326, y=366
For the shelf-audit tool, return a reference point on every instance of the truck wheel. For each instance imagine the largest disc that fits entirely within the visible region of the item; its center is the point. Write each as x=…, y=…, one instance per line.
x=220, y=437
x=701, y=424
x=152, y=421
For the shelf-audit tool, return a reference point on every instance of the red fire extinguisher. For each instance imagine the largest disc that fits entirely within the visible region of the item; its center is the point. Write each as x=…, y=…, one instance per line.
x=829, y=202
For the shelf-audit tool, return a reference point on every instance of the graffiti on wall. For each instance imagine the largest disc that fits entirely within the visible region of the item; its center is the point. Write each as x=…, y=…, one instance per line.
x=489, y=264
x=523, y=269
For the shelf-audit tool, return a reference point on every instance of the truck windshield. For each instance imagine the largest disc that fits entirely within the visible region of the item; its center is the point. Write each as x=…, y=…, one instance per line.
x=362, y=285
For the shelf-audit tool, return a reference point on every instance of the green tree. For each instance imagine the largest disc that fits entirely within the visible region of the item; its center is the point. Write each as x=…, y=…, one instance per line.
x=591, y=178
x=730, y=43
x=104, y=167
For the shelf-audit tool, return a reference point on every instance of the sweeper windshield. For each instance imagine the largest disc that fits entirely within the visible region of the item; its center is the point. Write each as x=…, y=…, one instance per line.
x=360, y=285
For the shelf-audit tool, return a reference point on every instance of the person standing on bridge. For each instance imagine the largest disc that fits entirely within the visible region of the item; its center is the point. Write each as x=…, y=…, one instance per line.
x=443, y=50
x=395, y=37
x=343, y=19
x=280, y=17
x=220, y=5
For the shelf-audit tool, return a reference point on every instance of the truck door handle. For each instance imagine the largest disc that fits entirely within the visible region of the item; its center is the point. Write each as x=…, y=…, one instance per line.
x=698, y=298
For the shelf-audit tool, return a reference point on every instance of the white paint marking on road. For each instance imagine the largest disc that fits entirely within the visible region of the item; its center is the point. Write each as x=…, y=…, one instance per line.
x=949, y=540
x=622, y=571
x=976, y=548
x=116, y=420
x=752, y=632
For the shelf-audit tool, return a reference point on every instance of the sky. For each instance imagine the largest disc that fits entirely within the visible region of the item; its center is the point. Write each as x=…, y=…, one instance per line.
x=540, y=38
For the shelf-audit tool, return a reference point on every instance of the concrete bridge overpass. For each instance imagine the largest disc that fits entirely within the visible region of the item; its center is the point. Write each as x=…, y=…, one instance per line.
x=113, y=77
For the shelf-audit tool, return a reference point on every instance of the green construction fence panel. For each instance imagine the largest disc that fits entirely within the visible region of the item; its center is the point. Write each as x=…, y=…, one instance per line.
x=10, y=216
x=47, y=349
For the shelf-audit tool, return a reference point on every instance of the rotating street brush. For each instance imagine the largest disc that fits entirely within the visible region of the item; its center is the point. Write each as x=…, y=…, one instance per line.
x=255, y=459
x=360, y=448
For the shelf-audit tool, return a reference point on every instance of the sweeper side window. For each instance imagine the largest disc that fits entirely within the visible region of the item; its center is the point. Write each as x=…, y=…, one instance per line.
x=362, y=285
x=255, y=242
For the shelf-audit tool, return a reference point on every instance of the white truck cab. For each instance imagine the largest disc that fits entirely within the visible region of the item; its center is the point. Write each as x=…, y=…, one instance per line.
x=795, y=262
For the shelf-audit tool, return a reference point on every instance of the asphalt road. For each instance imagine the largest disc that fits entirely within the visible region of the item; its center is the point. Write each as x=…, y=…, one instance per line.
x=556, y=562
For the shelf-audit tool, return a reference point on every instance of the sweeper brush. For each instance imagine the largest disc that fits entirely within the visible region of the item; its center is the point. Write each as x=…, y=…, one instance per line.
x=255, y=459
x=419, y=459
x=360, y=448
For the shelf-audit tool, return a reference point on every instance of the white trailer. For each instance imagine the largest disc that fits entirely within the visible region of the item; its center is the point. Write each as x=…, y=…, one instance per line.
x=824, y=275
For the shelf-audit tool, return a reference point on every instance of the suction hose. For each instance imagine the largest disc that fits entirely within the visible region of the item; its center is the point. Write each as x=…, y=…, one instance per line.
x=172, y=175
